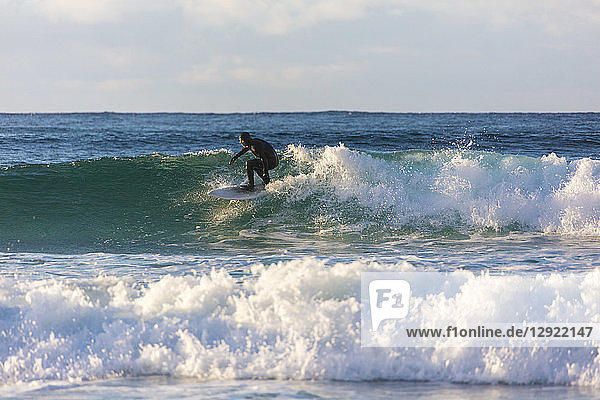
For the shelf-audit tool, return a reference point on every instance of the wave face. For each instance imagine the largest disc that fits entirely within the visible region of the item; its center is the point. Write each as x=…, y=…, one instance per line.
x=211, y=327
x=325, y=194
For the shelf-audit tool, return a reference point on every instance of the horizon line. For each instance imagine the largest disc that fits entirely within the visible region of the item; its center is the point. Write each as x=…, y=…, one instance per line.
x=292, y=112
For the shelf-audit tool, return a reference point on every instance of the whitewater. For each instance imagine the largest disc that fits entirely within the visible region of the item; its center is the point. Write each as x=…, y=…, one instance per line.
x=121, y=277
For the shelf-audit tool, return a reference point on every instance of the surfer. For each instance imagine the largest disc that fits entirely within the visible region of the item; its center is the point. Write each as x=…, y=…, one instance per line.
x=267, y=158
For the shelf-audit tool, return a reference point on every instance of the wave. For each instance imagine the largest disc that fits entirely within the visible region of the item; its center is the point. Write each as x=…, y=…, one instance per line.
x=473, y=189
x=328, y=193
x=292, y=320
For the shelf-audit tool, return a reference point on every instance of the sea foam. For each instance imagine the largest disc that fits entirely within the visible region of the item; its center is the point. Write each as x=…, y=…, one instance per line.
x=298, y=319
x=482, y=190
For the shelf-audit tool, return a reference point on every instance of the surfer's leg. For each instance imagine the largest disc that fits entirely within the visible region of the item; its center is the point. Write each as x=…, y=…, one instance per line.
x=259, y=170
x=265, y=177
x=250, y=172
x=251, y=166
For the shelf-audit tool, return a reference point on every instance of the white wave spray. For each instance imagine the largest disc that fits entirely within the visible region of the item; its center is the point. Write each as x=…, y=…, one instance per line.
x=474, y=189
x=292, y=320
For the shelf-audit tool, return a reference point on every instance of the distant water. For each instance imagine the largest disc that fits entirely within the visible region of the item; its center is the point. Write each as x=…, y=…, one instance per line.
x=119, y=274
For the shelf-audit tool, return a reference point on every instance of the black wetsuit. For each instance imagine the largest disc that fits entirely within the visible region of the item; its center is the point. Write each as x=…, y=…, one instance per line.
x=267, y=160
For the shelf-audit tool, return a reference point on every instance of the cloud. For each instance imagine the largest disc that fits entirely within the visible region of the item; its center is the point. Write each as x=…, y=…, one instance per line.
x=266, y=16
x=107, y=85
x=280, y=17
x=118, y=57
x=555, y=16
x=384, y=50
x=223, y=69
x=79, y=11
x=244, y=74
x=216, y=70
x=229, y=48
x=275, y=17
x=316, y=71
x=201, y=74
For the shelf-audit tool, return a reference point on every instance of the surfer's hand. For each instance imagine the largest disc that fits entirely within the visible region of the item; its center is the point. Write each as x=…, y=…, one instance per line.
x=231, y=161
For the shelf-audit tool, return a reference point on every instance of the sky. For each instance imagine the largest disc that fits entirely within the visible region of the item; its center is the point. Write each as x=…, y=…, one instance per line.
x=299, y=55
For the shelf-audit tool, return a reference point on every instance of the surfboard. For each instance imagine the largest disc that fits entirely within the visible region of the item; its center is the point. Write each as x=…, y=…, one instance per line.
x=238, y=192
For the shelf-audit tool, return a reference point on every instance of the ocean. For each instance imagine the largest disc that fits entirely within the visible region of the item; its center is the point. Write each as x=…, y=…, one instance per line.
x=120, y=277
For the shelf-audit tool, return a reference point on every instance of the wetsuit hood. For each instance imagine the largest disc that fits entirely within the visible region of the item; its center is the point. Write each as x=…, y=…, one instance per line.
x=246, y=138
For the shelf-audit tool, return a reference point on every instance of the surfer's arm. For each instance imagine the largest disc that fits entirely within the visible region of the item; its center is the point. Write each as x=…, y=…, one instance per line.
x=243, y=151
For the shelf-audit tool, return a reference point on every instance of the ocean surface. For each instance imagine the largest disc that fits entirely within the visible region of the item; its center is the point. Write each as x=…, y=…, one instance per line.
x=121, y=278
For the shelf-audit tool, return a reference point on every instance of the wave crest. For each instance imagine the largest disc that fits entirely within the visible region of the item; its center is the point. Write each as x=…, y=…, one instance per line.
x=485, y=190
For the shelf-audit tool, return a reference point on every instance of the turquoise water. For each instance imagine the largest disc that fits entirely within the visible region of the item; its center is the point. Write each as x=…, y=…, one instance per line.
x=120, y=276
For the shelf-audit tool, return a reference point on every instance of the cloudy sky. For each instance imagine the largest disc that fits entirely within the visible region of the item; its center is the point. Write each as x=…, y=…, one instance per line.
x=299, y=55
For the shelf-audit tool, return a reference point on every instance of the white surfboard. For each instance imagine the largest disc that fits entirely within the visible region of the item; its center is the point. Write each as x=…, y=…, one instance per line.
x=238, y=192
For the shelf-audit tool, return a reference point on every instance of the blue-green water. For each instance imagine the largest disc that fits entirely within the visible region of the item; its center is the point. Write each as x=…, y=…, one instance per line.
x=117, y=266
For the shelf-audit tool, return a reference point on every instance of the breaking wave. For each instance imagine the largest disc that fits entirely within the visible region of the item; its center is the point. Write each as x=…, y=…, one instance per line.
x=298, y=319
x=161, y=202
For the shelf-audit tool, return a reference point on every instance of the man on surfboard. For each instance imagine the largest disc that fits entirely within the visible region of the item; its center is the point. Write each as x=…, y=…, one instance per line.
x=267, y=158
